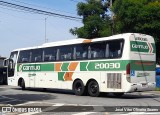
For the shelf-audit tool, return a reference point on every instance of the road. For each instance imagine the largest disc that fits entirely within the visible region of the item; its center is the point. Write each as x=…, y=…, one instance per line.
x=62, y=101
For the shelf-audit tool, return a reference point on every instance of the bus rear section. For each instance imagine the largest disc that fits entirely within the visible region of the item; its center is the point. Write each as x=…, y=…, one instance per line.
x=142, y=63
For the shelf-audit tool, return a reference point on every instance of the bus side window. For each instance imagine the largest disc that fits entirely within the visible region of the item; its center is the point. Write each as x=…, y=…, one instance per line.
x=24, y=60
x=66, y=53
x=36, y=55
x=84, y=55
x=24, y=56
x=58, y=54
x=114, y=49
x=98, y=50
x=38, y=59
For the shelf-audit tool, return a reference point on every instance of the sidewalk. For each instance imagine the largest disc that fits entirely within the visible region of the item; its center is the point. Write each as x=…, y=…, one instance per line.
x=151, y=92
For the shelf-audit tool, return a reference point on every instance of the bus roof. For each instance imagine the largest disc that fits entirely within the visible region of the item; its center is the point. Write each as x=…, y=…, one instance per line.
x=80, y=40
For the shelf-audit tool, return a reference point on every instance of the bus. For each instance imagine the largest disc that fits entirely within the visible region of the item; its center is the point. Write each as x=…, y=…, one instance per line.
x=117, y=64
x=3, y=70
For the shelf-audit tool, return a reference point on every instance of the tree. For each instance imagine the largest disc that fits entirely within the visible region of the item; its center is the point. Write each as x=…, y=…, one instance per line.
x=95, y=19
x=141, y=16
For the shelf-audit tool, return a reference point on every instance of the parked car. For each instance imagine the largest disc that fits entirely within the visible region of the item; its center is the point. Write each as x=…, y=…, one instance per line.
x=158, y=77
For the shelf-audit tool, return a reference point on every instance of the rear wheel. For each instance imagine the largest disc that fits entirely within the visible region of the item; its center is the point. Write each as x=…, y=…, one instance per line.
x=79, y=88
x=93, y=88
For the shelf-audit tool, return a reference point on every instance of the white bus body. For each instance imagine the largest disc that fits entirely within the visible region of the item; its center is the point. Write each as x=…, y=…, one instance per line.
x=117, y=64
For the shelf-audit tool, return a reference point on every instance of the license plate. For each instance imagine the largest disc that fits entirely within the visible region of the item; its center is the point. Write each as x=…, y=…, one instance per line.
x=144, y=84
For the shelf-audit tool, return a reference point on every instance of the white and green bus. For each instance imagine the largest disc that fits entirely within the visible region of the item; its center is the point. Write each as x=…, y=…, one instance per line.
x=117, y=64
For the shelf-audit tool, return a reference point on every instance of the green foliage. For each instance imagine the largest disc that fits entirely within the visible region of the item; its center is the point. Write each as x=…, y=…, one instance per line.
x=141, y=16
x=95, y=19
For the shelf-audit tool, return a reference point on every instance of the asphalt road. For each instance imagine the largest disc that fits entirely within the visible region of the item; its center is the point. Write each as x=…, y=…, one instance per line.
x=38, y=101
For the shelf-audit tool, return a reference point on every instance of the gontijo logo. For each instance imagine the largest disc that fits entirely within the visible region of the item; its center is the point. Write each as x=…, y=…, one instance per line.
x=139, y=46
x=142, y=47
x=29, y=68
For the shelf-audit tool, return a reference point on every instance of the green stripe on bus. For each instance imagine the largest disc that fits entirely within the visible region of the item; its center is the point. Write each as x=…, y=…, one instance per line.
x=114, y=65
x=47, y=67
x=138, y=46
x=35, y=67
x=83, y=66
x=143, y=65
x=65, y=67
x=154, y=47
x=61, y=76
x=117, y=65
x=104, y=65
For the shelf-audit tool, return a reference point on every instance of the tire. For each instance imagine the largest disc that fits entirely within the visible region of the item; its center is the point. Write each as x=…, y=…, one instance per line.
x=118, y=94
x=23, y=84
x=1, y=81
x=79, y=88
x=93, y=88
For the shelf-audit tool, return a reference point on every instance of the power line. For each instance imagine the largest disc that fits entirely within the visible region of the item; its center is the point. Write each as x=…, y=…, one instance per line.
x=42, y=7
x=37, y=11
x=74, y=1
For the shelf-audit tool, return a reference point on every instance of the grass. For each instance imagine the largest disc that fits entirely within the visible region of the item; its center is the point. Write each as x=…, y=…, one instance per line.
x=157, y=89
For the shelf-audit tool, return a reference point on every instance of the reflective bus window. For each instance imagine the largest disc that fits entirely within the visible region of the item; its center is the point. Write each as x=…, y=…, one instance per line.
x=81, y=51
x=24, y=56
x=98, y=50
x=65, y=53
x=115, y=48
x=36, y=55
x=49, y=54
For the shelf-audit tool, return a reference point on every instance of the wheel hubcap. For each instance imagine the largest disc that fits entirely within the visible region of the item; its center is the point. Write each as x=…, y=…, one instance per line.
x=93, y=88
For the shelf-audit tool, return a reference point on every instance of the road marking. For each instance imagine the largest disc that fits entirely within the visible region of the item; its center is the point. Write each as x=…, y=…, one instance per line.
x=140, y=113
x=10, y=100
x=29, y=113
x=84, y=113
x=6, y=97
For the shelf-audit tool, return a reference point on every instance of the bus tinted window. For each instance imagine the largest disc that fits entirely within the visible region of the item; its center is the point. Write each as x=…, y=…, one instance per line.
x=97, y=50
x=105, y=49
x=24, y=56
x=81, y=51
x=36, y=55
x=50, y=54
x=65, y=53
x=115, y=48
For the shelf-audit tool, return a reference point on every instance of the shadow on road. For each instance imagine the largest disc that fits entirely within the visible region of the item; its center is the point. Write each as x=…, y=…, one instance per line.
x=59, y=91
x=135, y=95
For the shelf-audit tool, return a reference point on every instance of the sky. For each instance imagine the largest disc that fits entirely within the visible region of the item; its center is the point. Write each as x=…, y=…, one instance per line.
x=19, y=29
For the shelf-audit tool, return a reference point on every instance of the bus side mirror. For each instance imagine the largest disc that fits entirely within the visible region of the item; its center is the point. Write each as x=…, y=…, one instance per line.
x=5, y=63
x=8, y=63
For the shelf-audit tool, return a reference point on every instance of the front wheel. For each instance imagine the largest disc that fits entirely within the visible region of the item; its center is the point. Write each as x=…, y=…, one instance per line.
x=93, y=89
x=23, y=84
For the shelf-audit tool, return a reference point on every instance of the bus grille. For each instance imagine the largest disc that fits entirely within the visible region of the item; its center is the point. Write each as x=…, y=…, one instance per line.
x=114, y=80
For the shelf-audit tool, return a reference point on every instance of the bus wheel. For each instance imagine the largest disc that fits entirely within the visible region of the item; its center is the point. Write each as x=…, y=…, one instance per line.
x=78, y=87
x=93, y=88
x=118, y=94
x=23, y=84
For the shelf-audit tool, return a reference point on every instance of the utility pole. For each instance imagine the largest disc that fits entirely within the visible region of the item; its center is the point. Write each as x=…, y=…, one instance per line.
x=112, y=17
x=46, y=40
